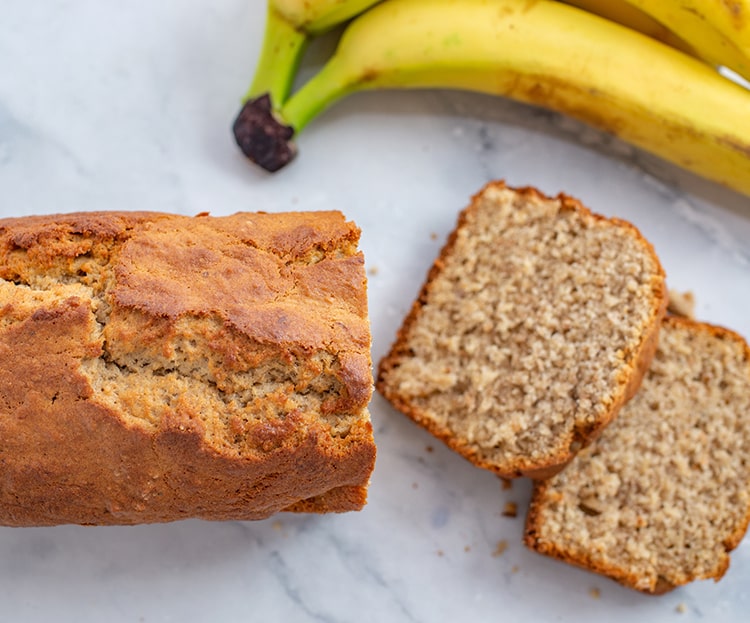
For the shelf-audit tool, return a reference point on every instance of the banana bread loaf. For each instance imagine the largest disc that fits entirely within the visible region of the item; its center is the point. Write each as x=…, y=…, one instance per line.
x=158, y=367
x=533, y=328
x=662, y=496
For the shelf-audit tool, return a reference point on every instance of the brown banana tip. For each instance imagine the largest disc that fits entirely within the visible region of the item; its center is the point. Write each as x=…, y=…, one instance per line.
x=262, y=137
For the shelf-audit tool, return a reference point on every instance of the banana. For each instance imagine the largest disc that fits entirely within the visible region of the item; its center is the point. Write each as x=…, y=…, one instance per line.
x=290, y=24
x=718, y=30
x=543, y=53
x=634, y=18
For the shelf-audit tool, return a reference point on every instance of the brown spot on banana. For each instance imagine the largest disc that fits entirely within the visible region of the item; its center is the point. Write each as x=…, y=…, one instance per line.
x=735, y=10
x=559, y=95
x=529, y=5
x=733, y=143
x=592, y=106
x=370, y=74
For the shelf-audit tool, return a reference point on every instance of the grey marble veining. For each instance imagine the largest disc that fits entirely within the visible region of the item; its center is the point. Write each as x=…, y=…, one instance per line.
x=130, y=107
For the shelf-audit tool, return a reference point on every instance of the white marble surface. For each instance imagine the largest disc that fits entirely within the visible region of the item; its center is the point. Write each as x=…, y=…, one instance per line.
x=128, y=105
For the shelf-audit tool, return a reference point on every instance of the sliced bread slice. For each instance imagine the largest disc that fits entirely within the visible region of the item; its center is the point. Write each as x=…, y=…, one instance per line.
x=662, y=496
x=534, y=327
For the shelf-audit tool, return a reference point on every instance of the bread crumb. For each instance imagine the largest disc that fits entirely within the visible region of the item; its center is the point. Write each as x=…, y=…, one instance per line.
x=277, y=525
x=595, y=593
x=500, y=549
x=373, y=270
x=433, y=236
x=681, y=304
x=510, y=510
x=681, y=608
x=415, y=485
x=467, y=548
x=429, y=449
x=515, y=569
x=440, y=553
x=506, y=484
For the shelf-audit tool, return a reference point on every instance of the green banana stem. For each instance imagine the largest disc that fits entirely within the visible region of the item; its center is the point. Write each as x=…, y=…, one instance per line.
x=261, y=129
x=282, y=49
x=327, y=86
x=256, y=130
x=265, y=134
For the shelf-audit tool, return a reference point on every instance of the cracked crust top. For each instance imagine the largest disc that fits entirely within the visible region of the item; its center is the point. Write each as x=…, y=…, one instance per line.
x=158, y=367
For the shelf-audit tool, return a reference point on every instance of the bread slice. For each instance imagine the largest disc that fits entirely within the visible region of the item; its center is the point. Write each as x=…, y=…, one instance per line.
x=662, y=496
x=533, y=328
x=157, y=367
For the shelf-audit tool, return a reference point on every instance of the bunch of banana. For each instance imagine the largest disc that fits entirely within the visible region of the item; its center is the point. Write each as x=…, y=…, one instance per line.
x=290, y=24
x=543, y=52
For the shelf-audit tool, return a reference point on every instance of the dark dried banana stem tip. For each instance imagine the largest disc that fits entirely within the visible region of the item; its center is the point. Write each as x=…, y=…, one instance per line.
x=261, y=137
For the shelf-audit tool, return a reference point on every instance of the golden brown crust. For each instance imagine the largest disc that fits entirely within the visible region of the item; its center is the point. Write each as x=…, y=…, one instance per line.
x=638, y=363
x=587, y=562
x=204, y=301
x=583, y=561
x=544, y=493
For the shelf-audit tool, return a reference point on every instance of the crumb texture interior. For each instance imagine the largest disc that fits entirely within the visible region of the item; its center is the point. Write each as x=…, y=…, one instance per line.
x=528, y=329
x=662, y=495
x=249, y=332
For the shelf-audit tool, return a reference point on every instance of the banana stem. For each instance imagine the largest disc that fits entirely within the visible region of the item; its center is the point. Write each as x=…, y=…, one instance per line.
x=259, y=133
x=261, y=136
x=282, y=49
x=328, y=85
x=264, y=128
x=265, y=135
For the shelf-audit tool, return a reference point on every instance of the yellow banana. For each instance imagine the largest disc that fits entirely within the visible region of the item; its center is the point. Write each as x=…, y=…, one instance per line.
x=718, y=30
x=544, y=53
x=629, y=15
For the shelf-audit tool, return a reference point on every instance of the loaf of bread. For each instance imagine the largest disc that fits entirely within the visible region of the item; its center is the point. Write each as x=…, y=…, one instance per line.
x=662, y=496
x=534, y=327
x=158, y=367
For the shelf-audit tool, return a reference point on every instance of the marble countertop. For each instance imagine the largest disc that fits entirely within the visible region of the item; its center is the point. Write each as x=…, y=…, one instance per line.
x=109, y=105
